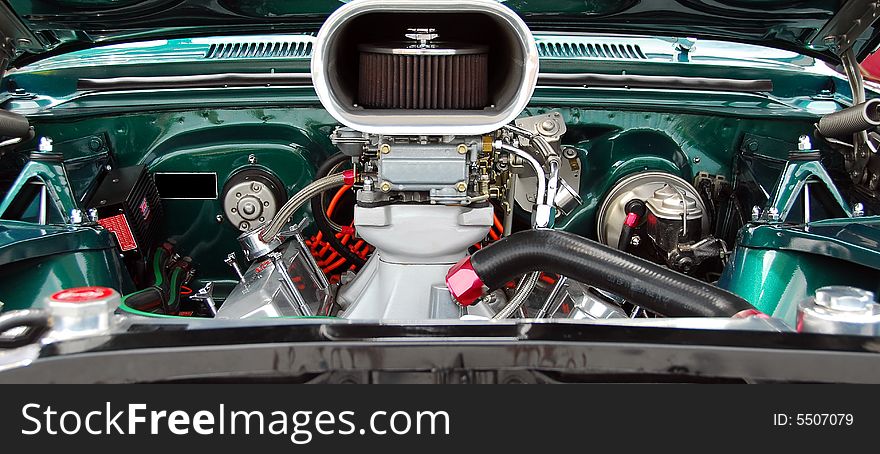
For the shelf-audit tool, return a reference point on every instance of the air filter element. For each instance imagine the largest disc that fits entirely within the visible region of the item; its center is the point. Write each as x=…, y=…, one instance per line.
x=439, y=76
x=422, y=67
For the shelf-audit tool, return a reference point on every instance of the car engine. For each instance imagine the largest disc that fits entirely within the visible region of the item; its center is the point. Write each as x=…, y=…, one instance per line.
x=439, y=158
x=426, y=139
x=406, y=161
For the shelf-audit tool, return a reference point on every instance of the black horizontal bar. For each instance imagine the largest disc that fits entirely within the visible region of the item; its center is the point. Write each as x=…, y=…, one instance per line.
x=196, y=81
x=576, y=79
x=668, y=82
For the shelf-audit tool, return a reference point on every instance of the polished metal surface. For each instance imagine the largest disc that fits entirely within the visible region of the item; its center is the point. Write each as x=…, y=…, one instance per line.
x=248, y=204
x=437, y=168
x=254, y=247
x=432, y=48
x=590, y=304
x=206, y=294
x=673, y=203
x=280, y=285
x=543, y=133
x=840, y=310
x=510, y=96
x=84, y=311
x=642, y=186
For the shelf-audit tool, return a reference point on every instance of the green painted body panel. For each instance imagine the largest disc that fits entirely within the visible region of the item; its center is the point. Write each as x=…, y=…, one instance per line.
x=54, y=177
x=22, y=240
x=854, y=240
x=775, y=280
x=35, y=279
x=775, y=267
x=778, y=263
x=289, y=143
x=36, y=261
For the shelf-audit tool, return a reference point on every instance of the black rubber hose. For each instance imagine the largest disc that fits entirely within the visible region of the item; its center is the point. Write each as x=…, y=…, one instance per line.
x=154, y=297
x=643, y=283
x=150, y=299
x=13, y=124
x=664, y=82
x=177, y=277
x=322, y=222
x=327, y=166
x=634, y=207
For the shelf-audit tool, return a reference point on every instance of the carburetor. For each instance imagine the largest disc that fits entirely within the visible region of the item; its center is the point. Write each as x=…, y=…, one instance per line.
x=444, y=170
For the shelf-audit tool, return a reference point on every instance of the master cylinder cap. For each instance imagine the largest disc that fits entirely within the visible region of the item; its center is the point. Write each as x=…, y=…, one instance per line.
x=82, y=311
x=840, y=310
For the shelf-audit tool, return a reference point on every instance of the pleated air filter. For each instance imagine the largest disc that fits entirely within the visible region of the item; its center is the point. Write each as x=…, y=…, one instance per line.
x=436, y=76
x=424, y=67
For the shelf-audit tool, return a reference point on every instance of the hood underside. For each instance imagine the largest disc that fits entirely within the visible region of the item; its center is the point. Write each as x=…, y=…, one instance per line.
x=44, y=27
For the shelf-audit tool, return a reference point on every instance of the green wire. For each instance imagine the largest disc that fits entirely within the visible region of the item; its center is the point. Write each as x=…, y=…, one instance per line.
x=158, y=263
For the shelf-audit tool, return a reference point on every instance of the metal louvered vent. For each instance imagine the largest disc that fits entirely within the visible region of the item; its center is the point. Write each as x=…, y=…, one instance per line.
x=561, y=49
x=262, y=49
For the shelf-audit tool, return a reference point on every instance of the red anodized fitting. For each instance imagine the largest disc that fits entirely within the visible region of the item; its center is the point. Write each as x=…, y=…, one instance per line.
x=463, y=282
x=348, y=177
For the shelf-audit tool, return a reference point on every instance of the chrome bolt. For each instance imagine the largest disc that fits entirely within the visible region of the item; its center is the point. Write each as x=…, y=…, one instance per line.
x=368, y=184
x=756, y=213
x=697, y=159
x=252, y=159
x=45, y=145
x=230, y=260
x=256, y=187
x=773, y=214
x=244, y=225
x=804, y=143
x=569, y=153
x=858, y=210
x=218, y=218
x=635, y=240
x=76, y=216
x=548, y=126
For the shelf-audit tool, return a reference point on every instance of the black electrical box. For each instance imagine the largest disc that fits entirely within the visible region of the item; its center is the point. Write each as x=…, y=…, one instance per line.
x=128, y=205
